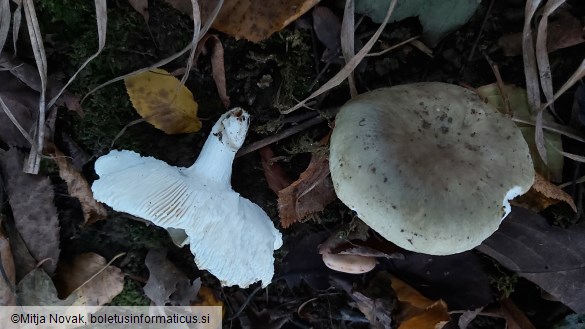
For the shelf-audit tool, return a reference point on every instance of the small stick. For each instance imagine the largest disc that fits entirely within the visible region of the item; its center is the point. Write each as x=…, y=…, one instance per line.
x=500, y=83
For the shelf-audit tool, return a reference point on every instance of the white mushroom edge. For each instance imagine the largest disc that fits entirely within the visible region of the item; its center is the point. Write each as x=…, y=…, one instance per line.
x=230, y=236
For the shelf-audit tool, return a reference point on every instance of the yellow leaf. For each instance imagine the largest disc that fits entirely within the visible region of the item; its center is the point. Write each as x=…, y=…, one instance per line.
x=160, y=99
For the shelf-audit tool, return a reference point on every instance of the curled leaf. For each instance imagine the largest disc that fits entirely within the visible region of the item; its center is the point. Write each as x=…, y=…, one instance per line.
x=79, y=188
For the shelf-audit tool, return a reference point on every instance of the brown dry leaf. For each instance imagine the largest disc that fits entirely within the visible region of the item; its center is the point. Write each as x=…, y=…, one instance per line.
x=276, y=178
x=309, y=194
x=211, y=41
x=35, y=215
x=141, y=6
x=417, y=311
x=543, y=194
x=8, y=278
x=79, y=188
x=254, y=20
x=90, y=278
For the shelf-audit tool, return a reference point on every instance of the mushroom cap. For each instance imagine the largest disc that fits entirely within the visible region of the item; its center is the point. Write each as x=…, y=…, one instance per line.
x=230, y=236
x=429, y=166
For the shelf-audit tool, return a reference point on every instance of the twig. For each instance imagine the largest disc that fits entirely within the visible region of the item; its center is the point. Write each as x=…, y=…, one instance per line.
x=500, y=83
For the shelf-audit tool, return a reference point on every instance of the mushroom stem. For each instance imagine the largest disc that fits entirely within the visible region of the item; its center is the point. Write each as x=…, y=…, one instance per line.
x=217, y=155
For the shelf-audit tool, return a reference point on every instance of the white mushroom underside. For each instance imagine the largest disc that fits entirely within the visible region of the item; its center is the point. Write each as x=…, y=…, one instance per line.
x=230, y=236
x=428, y=166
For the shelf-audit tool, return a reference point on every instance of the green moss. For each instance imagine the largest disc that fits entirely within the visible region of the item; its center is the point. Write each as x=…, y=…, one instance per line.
x=503, y=282
x=129, y=46
x=70, y=13
x=291, y=50
x=132, y=295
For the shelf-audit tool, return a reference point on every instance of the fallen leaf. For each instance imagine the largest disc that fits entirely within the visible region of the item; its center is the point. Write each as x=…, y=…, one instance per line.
x=211, y=42
x=254, y=20
x=35, y=216
x=160, y=99
x=309, y=194
x=543, y=194
x=417, y=311
x=37, y=289
x=437, y=17
x=23, y=261
x=20, y=101
x=29, y=75
x=90, y=279
x=565, y=31
x=165, y=279
x=327, y=28
x=276, y=178
x=79, y=188
x=186, y=292
x=72, y=102
x=518, y=102
x=8, y=277
x=551, y=257
x=141, y=6
x=515, y=318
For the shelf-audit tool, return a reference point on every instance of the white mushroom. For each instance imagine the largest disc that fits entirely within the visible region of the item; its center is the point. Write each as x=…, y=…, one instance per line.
x=429, y=166
x=231, y=237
